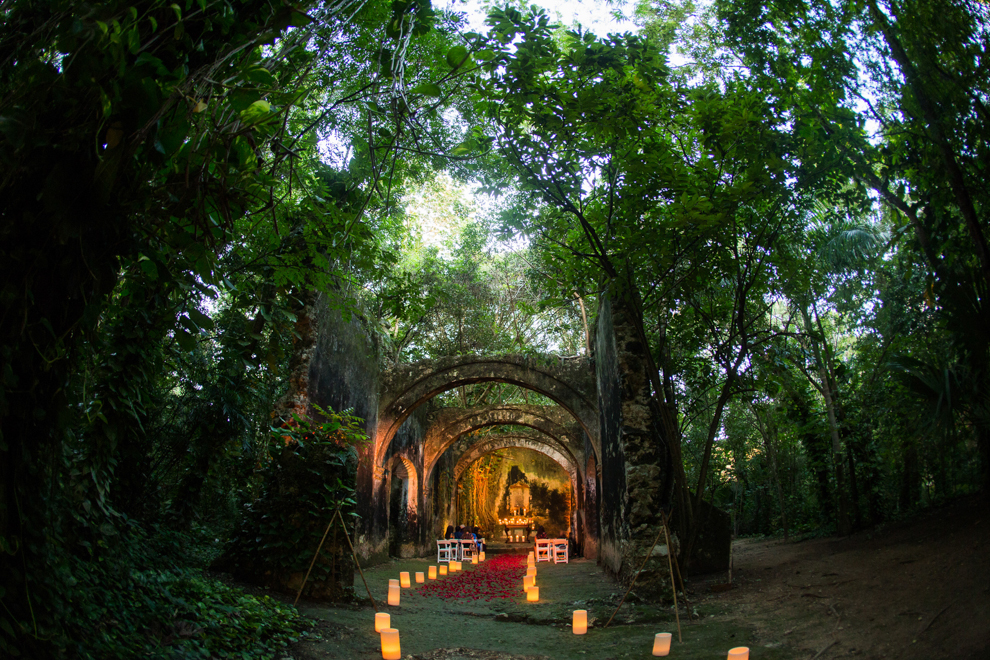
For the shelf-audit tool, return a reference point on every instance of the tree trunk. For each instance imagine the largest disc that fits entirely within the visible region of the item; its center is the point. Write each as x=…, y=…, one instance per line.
x=842, y=518
x=723, y=397
x=767, y=435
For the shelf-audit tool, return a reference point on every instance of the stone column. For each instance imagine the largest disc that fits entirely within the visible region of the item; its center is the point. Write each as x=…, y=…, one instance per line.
x=636, y=472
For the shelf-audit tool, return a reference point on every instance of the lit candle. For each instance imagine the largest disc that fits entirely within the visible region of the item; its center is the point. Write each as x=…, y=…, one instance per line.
x=432, y=574
x=381, y=621
x=739, y=653
x=404, y=579
x=420, y=579
x=579, y=623
x=474, y=559
x=393, y=582
x=481, y=555
x=529, y=582
x=393, y=594
x=533, y=594
x=661, y=644
x=456, y=565
x=443, y=570
x=530, y=557
x=390, y=644
x=531, y=571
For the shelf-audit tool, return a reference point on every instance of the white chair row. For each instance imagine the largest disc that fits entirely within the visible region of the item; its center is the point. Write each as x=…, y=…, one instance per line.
x=552, y=549
x=457, y=549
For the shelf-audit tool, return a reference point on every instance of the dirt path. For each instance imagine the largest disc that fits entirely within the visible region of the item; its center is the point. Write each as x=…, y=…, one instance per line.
x=911, y=591
x=919, y=589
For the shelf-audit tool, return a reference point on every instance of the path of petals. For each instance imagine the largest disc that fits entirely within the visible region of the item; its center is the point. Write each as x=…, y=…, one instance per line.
x=499, y=577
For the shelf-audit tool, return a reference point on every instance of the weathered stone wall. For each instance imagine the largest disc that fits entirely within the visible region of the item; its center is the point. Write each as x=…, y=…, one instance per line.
x=635, y=464
x=415, y=535
x=335, y=365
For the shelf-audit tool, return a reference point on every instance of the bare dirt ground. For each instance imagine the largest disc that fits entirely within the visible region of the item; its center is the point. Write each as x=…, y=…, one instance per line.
x=914, y=590
x=917, y=589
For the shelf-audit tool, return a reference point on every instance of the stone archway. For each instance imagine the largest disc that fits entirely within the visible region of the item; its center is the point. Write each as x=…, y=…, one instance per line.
x=403, y=487
x=449, y=424
x=542, y=444
x=402, y=467
x=569, y=382
x=522, y=441
x=553, y=432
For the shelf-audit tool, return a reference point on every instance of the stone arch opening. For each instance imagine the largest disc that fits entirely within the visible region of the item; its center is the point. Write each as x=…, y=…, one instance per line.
x=450, y=424
x=541, y=444
x=551, y=431
x=592, y=492
x=402, y=486
x=515, y=440
x=568, y=382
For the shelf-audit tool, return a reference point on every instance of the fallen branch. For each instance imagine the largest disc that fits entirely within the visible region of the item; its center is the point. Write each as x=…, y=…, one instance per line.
x=830, y=645
x=932, y=620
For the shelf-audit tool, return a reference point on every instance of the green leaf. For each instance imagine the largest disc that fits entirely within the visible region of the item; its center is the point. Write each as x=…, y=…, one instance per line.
x=241, y=99
x=428, y=89
x=456, y=56
x=463, y=148
x=261, y=76
x=201, y=319
x=256, y=113
x=186, y=341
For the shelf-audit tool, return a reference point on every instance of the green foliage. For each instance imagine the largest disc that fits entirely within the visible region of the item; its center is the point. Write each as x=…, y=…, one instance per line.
x=178, y=614
x=308, y=476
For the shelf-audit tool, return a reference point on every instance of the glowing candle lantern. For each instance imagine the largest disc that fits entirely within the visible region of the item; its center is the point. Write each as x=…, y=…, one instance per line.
x=531, y=557
x=432, y=573
x=529, y=582
x=533, y=594
x=443, y=570
x=393, y=582
x=579, y=622
x=474, y=559
x=456, y=565
x=481, y=555
x=531, y=572
x=661, y=644
x=404, y=579
x=393, y=594
x=420, y=578
x=390, y=644
x=739, y=653
x=382, y=621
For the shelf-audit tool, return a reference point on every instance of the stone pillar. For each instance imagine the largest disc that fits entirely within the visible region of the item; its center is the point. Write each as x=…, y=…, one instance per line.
x=636, y=474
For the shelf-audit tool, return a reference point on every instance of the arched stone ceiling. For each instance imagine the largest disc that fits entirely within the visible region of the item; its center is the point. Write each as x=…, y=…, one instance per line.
x=449, y=424
x=534, y=441
x=570, y=382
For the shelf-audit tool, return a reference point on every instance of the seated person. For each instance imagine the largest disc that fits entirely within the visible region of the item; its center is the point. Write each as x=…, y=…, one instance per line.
x=540, y=532
x=476, y=533
x=459, y=534
x=449, y=533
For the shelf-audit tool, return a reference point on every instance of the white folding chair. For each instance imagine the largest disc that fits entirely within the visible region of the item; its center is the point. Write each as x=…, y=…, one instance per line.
x=467, y=549
x=543, y=550
x=560, y=551
x=444, y=551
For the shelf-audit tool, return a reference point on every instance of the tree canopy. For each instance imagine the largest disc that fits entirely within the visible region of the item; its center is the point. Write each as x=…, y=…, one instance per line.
x=791, y=196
